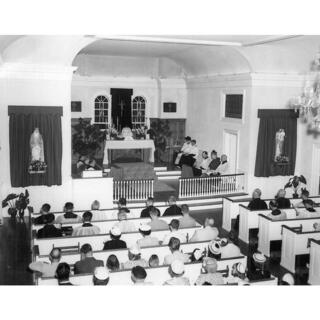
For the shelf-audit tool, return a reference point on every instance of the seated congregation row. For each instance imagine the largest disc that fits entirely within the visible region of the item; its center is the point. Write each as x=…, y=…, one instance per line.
x=306, y=208
x=53, y=225
x=202, y=165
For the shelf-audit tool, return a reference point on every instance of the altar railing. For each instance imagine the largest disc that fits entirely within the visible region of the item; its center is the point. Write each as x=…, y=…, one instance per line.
x=211, y=186
x=133, y=190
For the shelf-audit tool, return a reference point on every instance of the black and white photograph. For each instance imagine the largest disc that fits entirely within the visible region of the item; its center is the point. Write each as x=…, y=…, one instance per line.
x=159, y=159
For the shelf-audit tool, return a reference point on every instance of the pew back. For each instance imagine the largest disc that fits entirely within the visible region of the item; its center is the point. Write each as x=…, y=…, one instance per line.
x=271, y=230
x=314, y=269
x=295, y=243
x=249, y=219
x=155, y=275
x=96, y=241
x=122, y=254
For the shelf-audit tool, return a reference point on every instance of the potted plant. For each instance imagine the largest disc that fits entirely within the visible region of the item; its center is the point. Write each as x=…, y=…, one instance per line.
x=87, y=139
x=294, y=183
x=17, y=203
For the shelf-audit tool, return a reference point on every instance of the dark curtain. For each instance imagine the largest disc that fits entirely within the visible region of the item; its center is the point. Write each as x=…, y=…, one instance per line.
x=121, y=108
x=270, y=122
x=23, y=121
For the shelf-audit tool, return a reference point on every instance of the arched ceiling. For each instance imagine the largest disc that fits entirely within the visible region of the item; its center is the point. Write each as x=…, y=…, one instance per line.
x=264, y=54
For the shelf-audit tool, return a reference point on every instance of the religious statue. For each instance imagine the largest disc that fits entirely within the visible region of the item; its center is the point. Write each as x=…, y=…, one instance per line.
x=280, y=136
x=37, y=163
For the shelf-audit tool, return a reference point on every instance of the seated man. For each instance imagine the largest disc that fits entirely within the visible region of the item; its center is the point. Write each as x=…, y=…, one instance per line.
x=68, y=216
x=124, y=224
x=283, y=202
x=174, y=232
x=87, y=229
x=173, y=209
x=156, y=223
x=190, y=155
x=202, y=167
x=176, y=254
x=49, y=230
x=176, y=271
x=139, y=275
x=122, y=204
x=257, y=269
x=214, y=163
x=134, y=255
x=256, y=203
x=208, y=233
x=88, y=263
x=186, y=221
x=276, y=213
x=223, y=167
x=184, y=149
x=45, y=209
x=100, y=276
x=147, y=240
x=63, y=274
x=47, y=269
x=308, y=211
x=209, y=273
x=229, y=249
x=145, y=213
x=115, y=242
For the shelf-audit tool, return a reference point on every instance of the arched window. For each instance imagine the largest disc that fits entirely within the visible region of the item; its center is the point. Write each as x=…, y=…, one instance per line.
x=138, y=112
x=101, y=106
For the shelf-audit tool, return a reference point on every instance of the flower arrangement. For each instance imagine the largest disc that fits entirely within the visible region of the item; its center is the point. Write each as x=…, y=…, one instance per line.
x=282, y=159
x=294, y=183
x=139, y=133
x=17, y=203
x=111, y=133
x=37, y=167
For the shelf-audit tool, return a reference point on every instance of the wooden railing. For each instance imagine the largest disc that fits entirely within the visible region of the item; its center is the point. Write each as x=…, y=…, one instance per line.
x=211, y=186
x=132, y=190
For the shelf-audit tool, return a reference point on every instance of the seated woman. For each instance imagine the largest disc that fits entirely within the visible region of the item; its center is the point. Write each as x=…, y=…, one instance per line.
x=276, y=213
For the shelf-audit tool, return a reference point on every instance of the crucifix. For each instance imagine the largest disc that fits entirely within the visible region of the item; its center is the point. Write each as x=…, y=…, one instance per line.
x=122, y=105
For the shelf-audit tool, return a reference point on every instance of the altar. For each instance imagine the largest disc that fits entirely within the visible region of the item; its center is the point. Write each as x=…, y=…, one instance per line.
x=127, y=144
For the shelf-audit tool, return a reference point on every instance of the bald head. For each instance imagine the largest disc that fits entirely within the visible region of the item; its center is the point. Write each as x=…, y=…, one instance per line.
x=209, y=222
x=256, y=193
x=224, y=158
x=55, y=255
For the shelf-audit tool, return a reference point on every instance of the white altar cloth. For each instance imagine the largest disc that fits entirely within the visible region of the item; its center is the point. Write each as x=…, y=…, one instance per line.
x=127, y=144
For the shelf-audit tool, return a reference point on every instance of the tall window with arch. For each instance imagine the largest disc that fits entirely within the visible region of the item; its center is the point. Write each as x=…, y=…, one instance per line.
x=101, y=110
x=138, y=112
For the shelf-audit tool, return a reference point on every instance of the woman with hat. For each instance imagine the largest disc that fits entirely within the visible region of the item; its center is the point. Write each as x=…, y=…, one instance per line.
x=257, y=268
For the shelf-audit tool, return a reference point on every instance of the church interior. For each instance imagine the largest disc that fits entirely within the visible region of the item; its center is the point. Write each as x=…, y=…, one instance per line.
x=219, y=134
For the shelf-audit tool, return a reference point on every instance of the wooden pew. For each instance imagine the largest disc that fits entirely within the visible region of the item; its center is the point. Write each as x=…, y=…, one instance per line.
x=295, y=243
x=249, y=219
x=314, y=265
x=271, y=230
x=44, y=246
x=106, y=225
x=231, y=208
x=122, y=254
x=155, y=275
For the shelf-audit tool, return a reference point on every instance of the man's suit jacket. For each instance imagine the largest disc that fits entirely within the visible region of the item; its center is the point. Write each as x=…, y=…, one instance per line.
x=87, y=265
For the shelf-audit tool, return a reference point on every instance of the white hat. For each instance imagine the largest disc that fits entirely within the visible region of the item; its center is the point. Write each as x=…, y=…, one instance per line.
x=215, y=247
x=259, y=258
x=288, y=277
x=144, y=227
x=177, y=267
x=101, y=273
x=241, y=268
x=135, y=249
x=115, y=231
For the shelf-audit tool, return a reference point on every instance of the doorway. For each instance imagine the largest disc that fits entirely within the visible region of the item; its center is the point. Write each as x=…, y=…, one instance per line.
x=315, y=173
x=121, y=108
x=230, y=148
